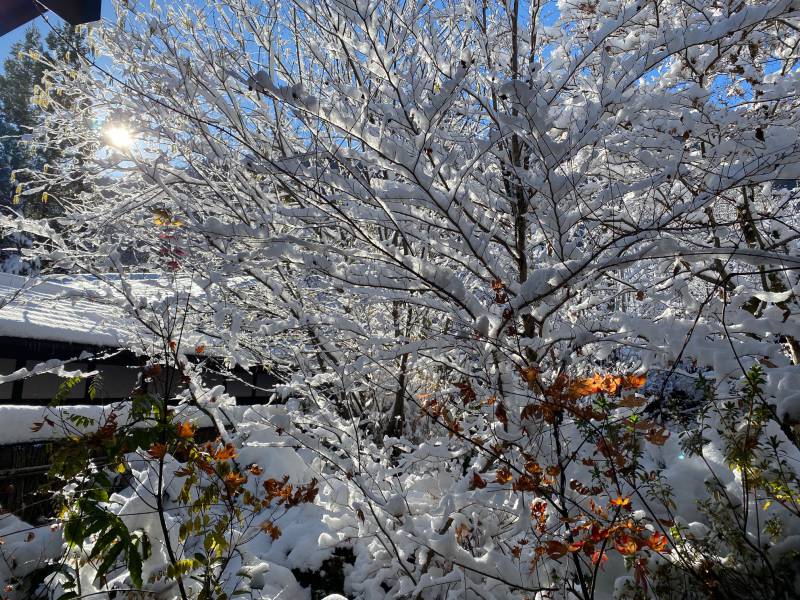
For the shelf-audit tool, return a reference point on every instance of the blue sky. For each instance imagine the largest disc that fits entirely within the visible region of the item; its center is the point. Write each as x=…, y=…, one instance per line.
x=14, y=36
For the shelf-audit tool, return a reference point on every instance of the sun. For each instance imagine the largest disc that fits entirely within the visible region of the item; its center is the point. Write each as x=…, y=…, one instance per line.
x=118, y=136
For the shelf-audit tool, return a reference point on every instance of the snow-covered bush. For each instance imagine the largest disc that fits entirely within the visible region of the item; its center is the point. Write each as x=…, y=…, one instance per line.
x=463, y=233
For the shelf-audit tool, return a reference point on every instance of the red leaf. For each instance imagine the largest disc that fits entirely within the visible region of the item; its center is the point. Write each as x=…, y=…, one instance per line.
x=556, y=549
x=501, y=414
x=477, y=482
x=157, y=451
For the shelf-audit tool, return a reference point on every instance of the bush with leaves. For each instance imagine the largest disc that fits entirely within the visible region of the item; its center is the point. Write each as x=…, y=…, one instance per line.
x=147, y=506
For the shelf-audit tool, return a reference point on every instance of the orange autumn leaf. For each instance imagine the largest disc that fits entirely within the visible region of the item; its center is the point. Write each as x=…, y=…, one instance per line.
x=205, y=466
x=611, y=383
x=477, y=482
x=255, y=469
x=602, y=383
x=621, y=502
x=657, y=542
x=503, y=475
x=272, y=529
x=625, y=544
x=657, y=436
x=599, y=557
x=186, y=430
x=533, y=467
x=586, y=387
x=633, y=381
x=553, y=470
x=463, y=532
x=233, y=481
x=199, y=349
x=524, y=483
x=226, y=453
x=529, y=374
x=631, y=401
x=538, y=508
x=157, y=451
x=595, y=384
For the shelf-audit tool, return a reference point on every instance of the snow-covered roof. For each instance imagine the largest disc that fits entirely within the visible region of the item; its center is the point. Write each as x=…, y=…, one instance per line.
x=90, y=311
x=43, y=309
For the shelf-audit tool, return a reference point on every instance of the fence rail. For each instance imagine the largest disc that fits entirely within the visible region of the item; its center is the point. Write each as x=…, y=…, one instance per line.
x=24, y=486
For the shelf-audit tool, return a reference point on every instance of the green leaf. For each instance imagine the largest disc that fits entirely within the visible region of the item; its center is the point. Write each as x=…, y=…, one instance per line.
x=95, y=386
x=147, y=548
x=73, y=531
x=64, y=389
x=135, y=566
x=111, y=558
x=104, y=541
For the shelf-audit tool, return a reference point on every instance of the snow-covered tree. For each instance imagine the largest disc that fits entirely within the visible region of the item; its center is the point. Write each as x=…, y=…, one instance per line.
x=465, y=234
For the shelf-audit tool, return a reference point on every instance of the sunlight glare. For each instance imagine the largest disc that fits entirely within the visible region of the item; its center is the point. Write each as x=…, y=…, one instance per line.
x=119, y=136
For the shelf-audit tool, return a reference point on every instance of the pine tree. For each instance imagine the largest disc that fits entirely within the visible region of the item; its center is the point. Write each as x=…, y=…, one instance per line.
x=23, y=106
x=66, y=45
x=6, y=161
x=21, y=72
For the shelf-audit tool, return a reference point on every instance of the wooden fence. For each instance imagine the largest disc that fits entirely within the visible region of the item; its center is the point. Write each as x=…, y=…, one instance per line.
x=23, y=479
x=24, y=486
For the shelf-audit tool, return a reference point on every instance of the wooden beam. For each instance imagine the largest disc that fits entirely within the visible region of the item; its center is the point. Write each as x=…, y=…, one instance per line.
x=14, y=13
